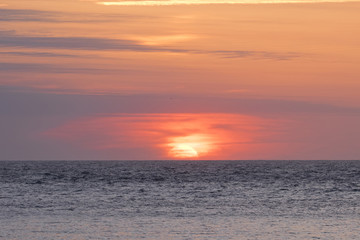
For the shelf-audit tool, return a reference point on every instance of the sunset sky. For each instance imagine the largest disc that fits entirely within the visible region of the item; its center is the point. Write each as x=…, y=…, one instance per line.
x=179, y=79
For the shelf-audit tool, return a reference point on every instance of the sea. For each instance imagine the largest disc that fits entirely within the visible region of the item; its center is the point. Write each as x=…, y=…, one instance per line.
x=165, y=200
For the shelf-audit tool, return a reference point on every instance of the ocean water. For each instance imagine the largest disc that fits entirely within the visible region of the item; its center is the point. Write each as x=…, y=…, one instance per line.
x=166, y=200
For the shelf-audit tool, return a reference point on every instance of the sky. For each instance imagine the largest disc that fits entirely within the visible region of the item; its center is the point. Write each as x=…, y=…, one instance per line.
x=179, y=80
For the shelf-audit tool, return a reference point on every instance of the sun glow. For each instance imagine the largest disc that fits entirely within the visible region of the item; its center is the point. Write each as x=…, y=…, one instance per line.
x=183, y=136
x=183, y=151
x=192, y=146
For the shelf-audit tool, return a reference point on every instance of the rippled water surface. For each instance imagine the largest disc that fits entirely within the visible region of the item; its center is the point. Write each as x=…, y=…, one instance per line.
x=180, y=200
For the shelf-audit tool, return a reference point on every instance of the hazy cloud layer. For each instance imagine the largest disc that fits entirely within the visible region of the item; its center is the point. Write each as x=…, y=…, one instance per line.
x=26, y=116
x=27, y=103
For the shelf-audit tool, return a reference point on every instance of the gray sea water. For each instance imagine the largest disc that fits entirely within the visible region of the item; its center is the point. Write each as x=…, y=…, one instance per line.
x=165, y=200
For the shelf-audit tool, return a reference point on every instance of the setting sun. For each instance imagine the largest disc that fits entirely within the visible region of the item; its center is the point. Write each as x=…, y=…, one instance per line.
x=192, y=146
x=183, y=151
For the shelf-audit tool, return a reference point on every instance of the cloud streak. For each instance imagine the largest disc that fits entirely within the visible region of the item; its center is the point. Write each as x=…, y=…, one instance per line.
x=10, y=39
x=30, y=15
x=207, y=2
x=51, y=68
x=38, y=54
x=21, y=15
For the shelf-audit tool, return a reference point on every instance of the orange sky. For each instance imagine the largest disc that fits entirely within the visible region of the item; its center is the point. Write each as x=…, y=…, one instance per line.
x=284, y=67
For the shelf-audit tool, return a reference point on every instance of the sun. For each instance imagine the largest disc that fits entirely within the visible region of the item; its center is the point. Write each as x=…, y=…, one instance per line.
x=190, y=146
x=183, y=151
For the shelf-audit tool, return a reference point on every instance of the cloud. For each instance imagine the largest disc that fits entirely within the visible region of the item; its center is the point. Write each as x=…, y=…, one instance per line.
x=207, y=2
x=10, y=39
x=255, y=54
x=29, y=15
x=38, y=54
x=23, y=102
x=50, y=68
x=25, y=15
